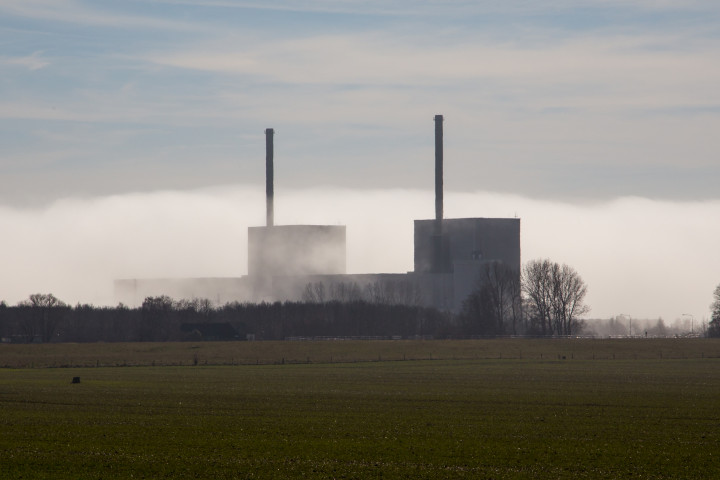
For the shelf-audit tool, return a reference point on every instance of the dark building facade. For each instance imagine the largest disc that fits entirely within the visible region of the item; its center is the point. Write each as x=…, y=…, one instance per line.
x=468, y=239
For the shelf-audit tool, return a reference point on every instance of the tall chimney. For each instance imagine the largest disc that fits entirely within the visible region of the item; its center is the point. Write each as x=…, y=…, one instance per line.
x=438, y=257
x=269, y=188
x=438, y=174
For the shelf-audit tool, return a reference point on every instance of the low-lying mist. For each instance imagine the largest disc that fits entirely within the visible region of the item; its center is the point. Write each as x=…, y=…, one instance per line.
x=639, y=257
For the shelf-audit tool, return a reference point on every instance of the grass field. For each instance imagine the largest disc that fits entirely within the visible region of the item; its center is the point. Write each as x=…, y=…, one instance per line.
x=476, y=410
x=269, y=353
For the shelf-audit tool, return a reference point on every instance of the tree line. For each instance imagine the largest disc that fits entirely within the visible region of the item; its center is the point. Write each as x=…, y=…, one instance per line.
x=44, y=318
x=545, y=298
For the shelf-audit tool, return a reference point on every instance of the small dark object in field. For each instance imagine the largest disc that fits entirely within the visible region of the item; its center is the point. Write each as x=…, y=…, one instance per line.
x=76, y=380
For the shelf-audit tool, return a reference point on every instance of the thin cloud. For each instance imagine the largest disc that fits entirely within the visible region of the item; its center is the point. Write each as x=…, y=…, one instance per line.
x=31, y=62
x=619, y=71
x=80, y=13
x=448, y=7
x=578, y=106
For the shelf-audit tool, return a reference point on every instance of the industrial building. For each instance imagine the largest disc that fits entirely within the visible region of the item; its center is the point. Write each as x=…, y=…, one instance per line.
x=299, y=262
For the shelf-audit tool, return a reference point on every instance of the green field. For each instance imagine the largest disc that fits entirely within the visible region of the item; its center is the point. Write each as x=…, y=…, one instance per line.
x=484, y=409
x=270, y=353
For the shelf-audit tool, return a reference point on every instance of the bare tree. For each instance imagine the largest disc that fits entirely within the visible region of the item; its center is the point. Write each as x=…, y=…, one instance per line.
x=409, y=293
x=155, y=317
x=714, y=326
x=477, y=313
x=569, y=292
x=501, y=283
x=556, y=295
x=393, y=292
x=344, y=292
x=379, y=293
x=3, y=319
x=536, y=284
x=40, y=316
x=494, y=308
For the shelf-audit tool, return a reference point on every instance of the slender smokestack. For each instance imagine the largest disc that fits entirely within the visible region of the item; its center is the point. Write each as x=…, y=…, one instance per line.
x=269, y=188
x=438, y=263
x=438, y=174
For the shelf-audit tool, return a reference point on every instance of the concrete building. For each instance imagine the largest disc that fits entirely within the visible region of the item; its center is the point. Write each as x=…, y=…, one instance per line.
x=296, y=250
x=301, y=262
x=468, y=240
x=467, y=245
x=292, y=252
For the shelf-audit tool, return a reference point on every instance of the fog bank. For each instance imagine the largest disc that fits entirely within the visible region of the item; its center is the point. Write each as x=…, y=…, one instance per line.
x=639, y=257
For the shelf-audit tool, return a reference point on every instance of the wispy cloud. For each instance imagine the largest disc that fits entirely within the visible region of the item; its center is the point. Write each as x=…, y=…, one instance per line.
x=82, y=13
x=560, y=98
x=598, y=72
x=448, y=7
x=31, y=62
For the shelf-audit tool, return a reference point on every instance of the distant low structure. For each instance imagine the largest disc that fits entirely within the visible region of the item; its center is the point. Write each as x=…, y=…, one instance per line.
x=296, y=250
x=308, y=262
x=213, y=332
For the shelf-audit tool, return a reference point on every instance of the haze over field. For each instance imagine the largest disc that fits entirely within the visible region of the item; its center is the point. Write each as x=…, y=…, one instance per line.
x=131, y=136
x=639, y=257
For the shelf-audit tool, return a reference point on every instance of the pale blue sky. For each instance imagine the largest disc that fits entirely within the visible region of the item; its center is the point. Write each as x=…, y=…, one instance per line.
x=564, y=99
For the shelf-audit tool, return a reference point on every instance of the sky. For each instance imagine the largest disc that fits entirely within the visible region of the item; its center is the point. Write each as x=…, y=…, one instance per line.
x=131, y=136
